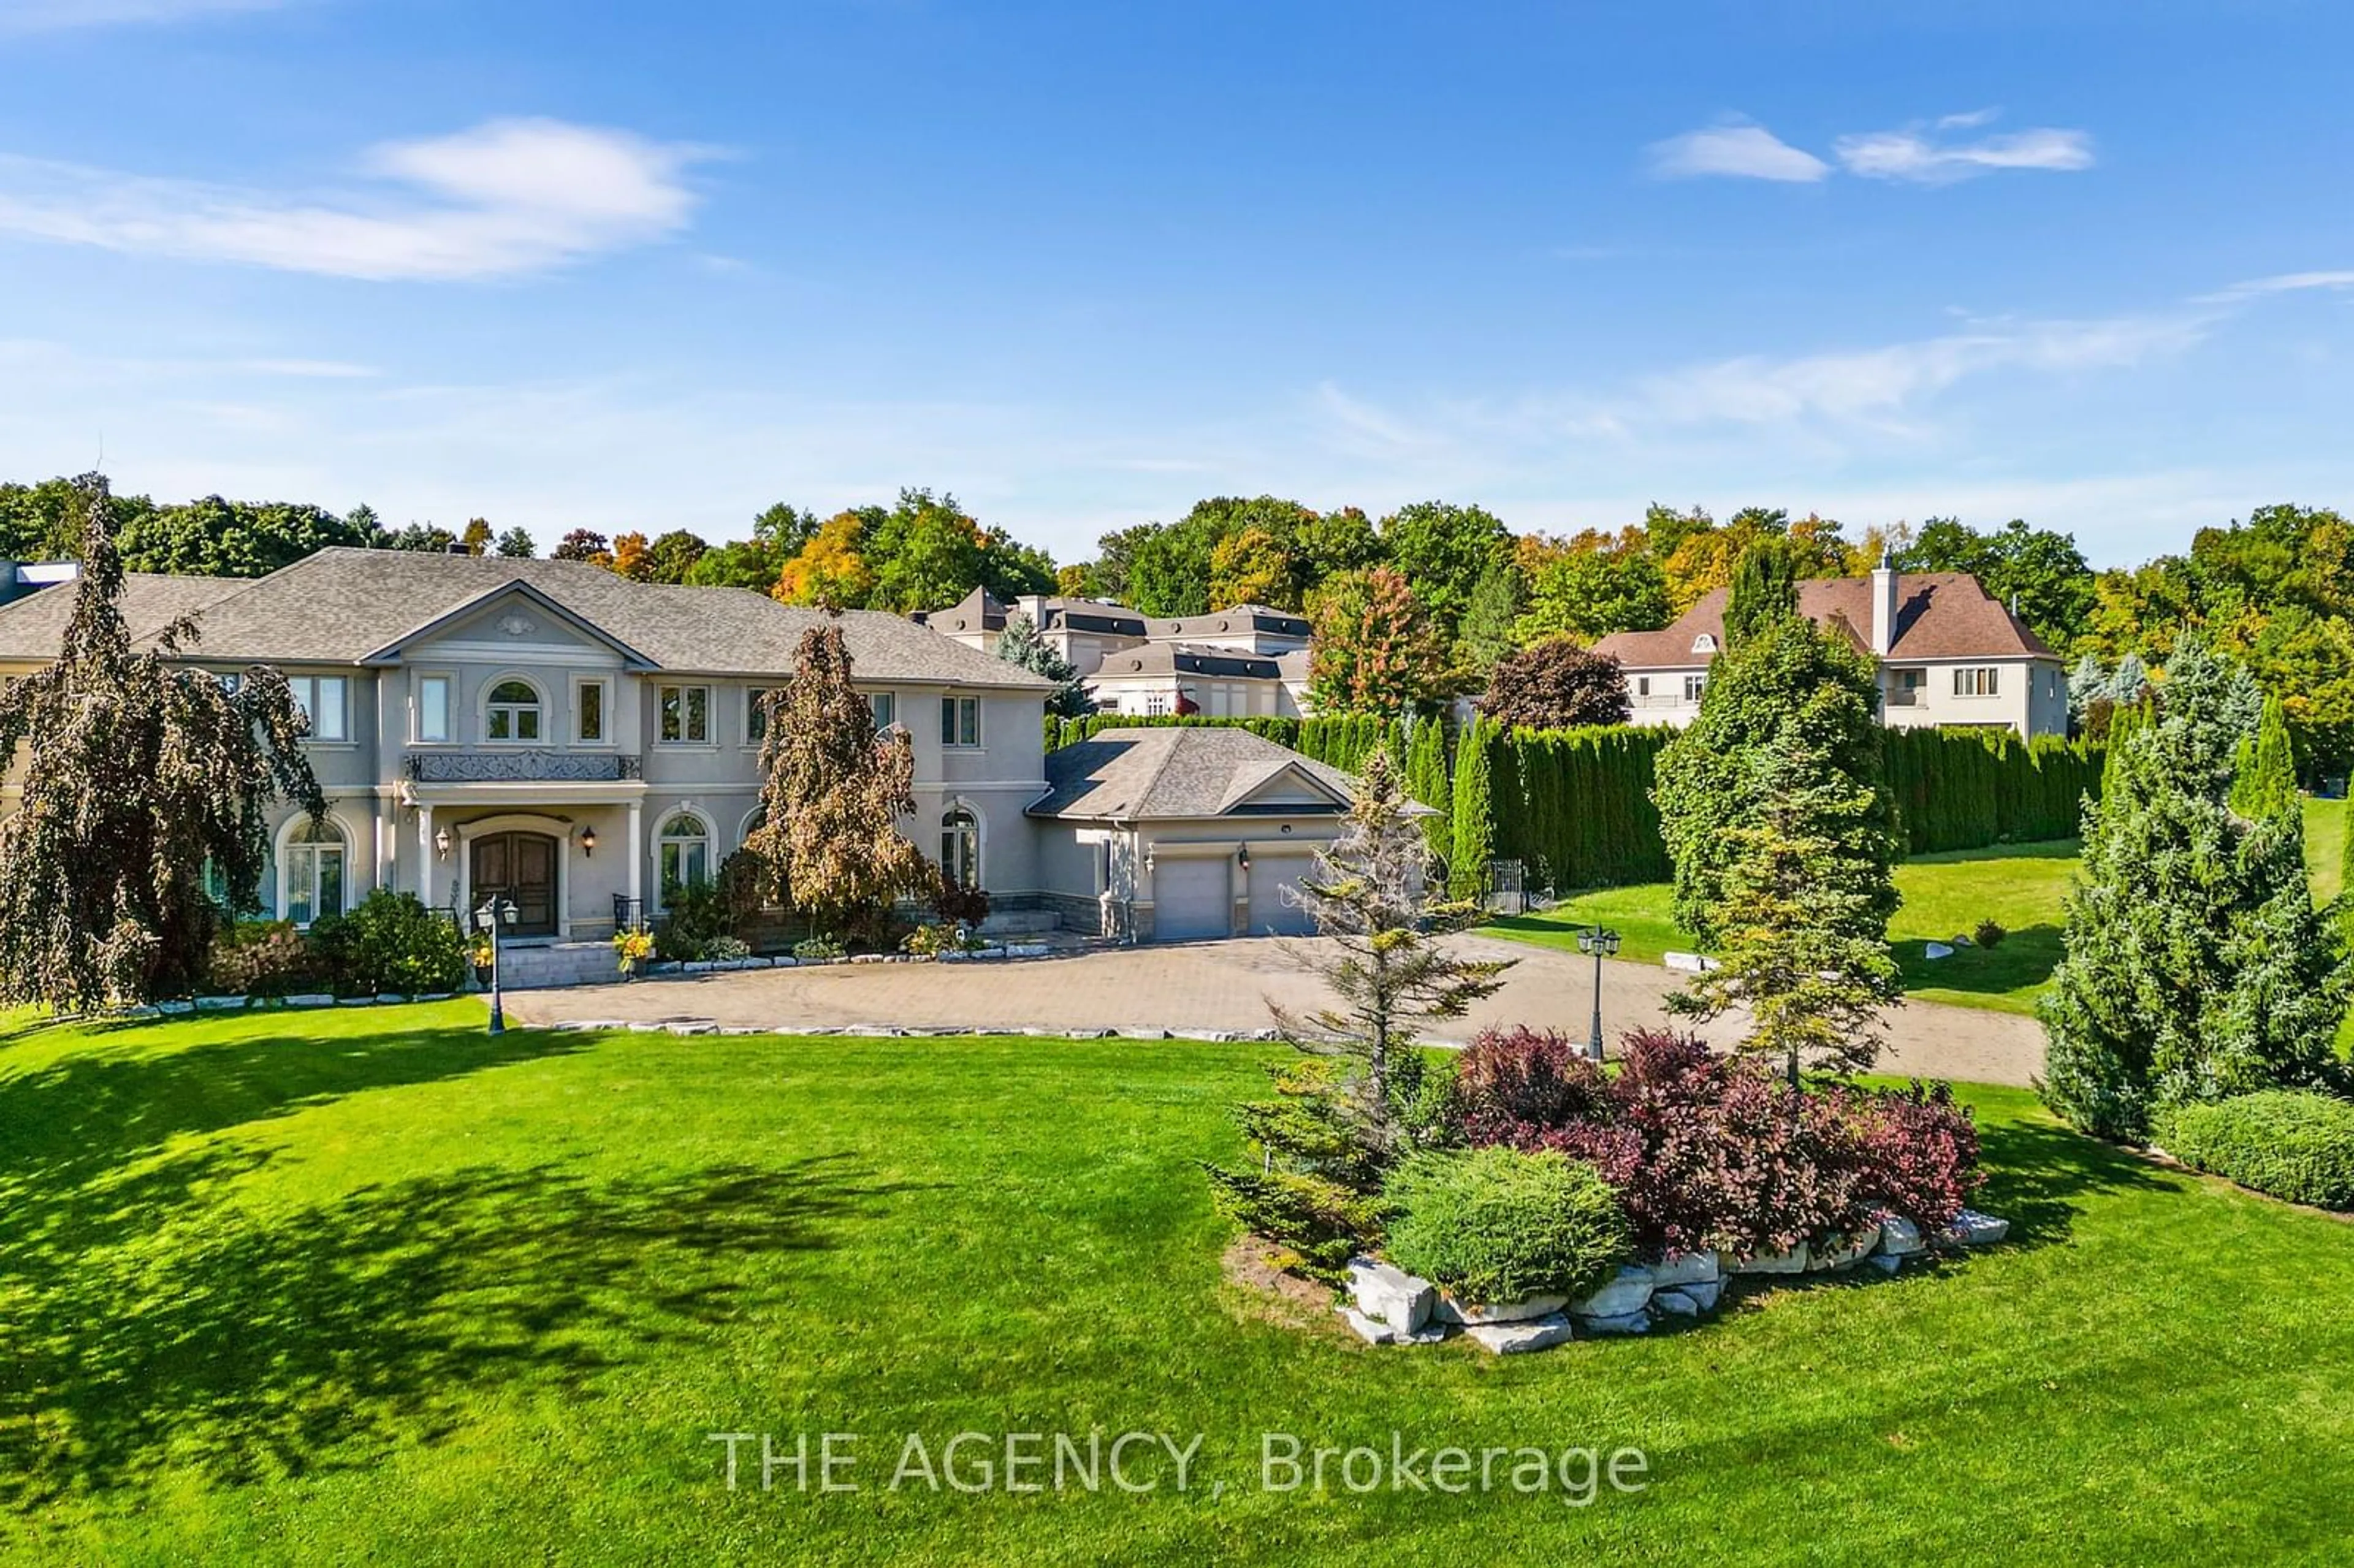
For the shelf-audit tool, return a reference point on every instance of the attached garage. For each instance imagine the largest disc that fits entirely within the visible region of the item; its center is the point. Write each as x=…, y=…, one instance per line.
x=1192, y=899
x=1149, y=831
x=1275, y=906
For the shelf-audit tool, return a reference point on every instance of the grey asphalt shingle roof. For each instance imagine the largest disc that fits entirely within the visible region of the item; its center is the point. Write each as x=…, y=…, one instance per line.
x=341, y=606
x=33, y=626
x=1181, y=771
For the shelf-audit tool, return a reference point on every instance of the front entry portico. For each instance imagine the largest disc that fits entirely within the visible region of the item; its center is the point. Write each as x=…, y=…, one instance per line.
x=519, y=866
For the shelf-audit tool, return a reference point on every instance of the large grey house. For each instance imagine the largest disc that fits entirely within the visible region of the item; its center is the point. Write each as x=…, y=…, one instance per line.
x=581, y=743
x=1237, y=663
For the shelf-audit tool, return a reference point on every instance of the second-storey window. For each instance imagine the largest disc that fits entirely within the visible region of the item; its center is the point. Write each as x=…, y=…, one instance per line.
x=960, y=721
x=1977, y=681
x=433, y=708
x=1693, y=686
x=686, y=715
x=885, y=706
x=588, y=713
x=756, y=716
x=514, y=712
x=321, y=698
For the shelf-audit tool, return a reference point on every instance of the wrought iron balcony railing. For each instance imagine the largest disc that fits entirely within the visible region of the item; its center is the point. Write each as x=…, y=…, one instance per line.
x=523, y=767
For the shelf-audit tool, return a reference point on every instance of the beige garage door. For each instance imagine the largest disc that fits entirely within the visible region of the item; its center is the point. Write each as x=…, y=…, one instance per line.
x=1275, y=908
x=1191, y=899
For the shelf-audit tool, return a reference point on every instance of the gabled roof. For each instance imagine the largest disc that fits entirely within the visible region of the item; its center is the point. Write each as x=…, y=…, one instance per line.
x=1939, y=615
x=390, y=653
x=980, y=611
x=343, y=606
x=1188, y=771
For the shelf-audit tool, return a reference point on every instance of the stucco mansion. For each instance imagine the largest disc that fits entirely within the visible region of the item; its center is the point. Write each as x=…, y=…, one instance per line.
x=580, y=743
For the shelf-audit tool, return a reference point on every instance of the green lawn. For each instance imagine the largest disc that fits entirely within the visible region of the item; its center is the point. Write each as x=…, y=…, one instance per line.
x=2022, y=886
x=369, y=1287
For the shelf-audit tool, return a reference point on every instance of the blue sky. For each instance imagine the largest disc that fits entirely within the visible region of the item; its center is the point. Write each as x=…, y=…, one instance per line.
x=1081, y=264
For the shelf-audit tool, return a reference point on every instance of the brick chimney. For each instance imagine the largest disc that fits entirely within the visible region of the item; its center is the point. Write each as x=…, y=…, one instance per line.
x=1884, y=609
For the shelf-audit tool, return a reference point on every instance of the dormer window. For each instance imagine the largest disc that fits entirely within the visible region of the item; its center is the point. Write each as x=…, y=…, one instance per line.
x=1705, y=643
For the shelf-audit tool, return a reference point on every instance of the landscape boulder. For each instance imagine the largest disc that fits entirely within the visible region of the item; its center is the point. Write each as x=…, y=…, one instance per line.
x=1687, y=1269
x=1791, y=1262
x=1449, y=1310
x=1971, y=1228
x=1540, y=1333
x=1899, y=1237
x=1626, y=1293
x=1388, y=1294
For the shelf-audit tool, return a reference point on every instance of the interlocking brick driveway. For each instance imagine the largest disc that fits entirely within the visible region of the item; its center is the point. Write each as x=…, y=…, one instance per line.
x=1223, y=986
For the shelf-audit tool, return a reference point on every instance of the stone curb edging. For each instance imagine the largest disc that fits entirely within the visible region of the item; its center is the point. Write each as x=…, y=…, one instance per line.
x=892, y=1032
x=674, y=968
x=304, y=1002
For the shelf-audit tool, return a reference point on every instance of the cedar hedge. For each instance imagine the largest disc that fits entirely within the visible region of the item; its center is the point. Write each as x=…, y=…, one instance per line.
x=1575, y=805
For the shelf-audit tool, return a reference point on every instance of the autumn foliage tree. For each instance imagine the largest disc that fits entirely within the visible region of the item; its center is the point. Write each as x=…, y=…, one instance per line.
x=833, y=790
x=830, y=569
x=137, y=775
x=1377, y=650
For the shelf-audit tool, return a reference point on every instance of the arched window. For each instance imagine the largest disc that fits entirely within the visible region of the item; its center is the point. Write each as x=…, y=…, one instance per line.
x=960, y=847
x=685, y=846
x=315, y=871
x=514, y=712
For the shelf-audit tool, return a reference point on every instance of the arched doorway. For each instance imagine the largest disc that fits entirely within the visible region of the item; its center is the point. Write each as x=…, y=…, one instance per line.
x=520, y=866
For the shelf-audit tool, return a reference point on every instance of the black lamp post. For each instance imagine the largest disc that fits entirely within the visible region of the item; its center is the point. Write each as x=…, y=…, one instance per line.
x=1602, y=942
x=495, y=909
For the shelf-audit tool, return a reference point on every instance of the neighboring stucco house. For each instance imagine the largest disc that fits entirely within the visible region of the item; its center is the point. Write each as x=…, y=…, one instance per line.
x=1949, y=653
x=580, y=743
x=1230, y=664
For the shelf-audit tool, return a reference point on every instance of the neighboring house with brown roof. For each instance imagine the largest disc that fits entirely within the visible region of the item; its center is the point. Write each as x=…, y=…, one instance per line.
x=1949, y=653
x=1230, y=664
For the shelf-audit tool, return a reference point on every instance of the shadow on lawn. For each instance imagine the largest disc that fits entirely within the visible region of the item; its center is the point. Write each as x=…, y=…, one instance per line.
x=2026, y=957
x=2038, y=1172
x=278, y=1345
x=82, y=1122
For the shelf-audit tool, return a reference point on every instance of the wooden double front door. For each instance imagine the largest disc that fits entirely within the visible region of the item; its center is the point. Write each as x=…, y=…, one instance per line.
x=521, y=867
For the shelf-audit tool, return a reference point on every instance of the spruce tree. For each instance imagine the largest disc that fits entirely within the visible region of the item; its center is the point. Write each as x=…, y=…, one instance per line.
x=1474, y=836
x=1814, y=695
x=138, y=776
x=1800, y=948
x=1022, y=644
x=1370, y=895
x=2196, y=965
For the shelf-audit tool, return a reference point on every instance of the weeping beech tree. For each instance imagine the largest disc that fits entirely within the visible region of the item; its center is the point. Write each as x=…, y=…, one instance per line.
x=832, y=791
x=137, y=775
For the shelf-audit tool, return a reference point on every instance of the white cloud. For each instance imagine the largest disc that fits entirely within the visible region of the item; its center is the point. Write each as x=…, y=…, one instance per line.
x=2282, y=284
x=1914, y=154
x=504, y=198
x=1737, y=151
x=59, y=15
x=1874, y=383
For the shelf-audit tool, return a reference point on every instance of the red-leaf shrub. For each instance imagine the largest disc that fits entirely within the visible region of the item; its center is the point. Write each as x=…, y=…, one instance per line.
x=1710, y=1150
